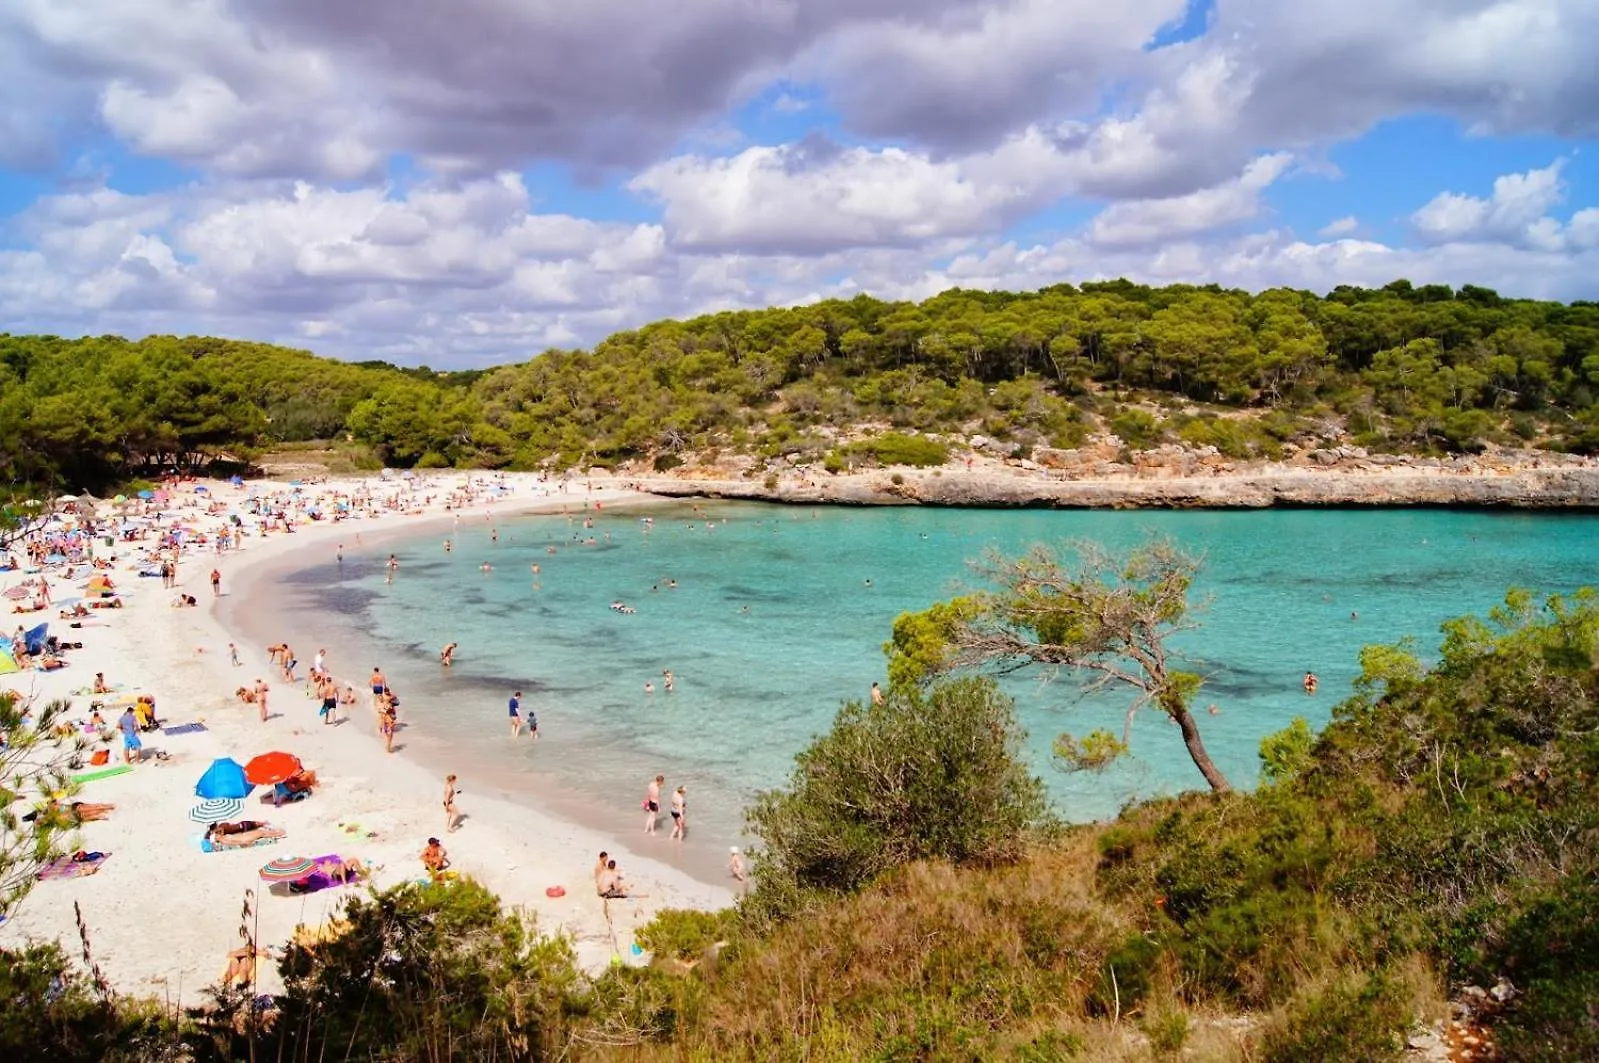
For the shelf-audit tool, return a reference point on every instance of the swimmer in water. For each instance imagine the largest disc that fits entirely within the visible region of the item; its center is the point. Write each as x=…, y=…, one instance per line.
x=1311, y=682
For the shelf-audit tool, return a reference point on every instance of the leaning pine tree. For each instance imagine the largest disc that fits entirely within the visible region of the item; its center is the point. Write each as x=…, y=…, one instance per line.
x=1107, y=616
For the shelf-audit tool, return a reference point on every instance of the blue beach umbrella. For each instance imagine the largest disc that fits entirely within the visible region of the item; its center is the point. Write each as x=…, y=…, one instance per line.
x=146, y=495
x=224, y=778
x=35, y=638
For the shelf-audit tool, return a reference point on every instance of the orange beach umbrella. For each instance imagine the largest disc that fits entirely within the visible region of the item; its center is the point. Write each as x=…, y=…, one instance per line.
x=270, y=768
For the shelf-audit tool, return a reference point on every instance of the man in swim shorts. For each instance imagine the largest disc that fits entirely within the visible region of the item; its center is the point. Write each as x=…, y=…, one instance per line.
x=131, y=746
x=515, y=708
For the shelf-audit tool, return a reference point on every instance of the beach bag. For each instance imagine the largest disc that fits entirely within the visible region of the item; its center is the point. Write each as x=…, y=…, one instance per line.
x=555, y=891
x=100, y=756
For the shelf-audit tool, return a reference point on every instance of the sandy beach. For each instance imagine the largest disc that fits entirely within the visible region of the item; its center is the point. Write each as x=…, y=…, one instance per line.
x=163, y=914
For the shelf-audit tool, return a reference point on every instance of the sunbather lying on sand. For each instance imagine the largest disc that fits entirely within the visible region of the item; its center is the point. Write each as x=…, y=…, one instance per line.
x=241, y=965
x=239, y=835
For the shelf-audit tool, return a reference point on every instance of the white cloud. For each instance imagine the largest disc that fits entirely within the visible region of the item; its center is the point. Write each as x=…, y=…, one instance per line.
x=473, y=273
x=1516, y=212
x=1145, y=222
x=1340, y=226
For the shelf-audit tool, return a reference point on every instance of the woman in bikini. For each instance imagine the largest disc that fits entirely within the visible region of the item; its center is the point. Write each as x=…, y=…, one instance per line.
x=451, y=816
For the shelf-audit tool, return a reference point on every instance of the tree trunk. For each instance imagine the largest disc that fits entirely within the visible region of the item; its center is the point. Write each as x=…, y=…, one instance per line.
x=1196, y=750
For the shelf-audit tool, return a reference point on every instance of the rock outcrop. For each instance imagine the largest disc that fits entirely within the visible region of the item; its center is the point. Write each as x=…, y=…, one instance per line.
x=1565, y=487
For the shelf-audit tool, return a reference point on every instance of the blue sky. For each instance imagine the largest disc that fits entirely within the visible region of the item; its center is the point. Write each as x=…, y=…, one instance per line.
x=473, y=183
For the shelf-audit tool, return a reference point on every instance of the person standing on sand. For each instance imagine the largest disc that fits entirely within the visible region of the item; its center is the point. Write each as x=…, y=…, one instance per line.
x=233, y=655
x=679, y=813
x=652, y=803
x=452, y=818
x=735, y=864
x=261, y=697
x=388, y=724
x=515, y=708
x=329, y=692
x=131, y=745
x=379, y=684
x=216, y=583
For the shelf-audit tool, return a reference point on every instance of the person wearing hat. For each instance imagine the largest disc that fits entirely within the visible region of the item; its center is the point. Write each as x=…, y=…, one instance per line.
x=735, y=864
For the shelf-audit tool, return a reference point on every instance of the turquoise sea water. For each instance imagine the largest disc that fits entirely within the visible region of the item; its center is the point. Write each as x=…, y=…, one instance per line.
x=779, y=614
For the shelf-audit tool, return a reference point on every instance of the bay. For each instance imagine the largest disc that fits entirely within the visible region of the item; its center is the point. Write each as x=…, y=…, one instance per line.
x=769, y=617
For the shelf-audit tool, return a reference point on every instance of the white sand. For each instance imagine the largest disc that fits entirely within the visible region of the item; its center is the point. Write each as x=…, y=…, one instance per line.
x=162, y=914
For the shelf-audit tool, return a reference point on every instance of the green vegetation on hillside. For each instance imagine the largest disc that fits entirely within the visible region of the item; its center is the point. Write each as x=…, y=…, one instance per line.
x=1399, y=368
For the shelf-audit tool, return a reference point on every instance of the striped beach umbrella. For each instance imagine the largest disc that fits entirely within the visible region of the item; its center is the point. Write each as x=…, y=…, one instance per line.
x=216, y=809
x=288, y=869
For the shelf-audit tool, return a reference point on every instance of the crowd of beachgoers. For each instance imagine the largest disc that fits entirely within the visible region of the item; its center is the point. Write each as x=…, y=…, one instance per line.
x=204, y=765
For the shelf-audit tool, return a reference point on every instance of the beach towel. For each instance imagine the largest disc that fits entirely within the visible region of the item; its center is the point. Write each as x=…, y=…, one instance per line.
x=183, y=729
x=120, y=769
x=206, y=845
x=66, y=867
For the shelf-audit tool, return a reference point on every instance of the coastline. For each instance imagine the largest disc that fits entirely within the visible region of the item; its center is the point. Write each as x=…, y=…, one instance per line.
x=1175, y=479
x=162, y=915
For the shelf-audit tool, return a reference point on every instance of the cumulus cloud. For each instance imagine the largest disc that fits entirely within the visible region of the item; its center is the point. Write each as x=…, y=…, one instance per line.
x=1516, y=212
x=1340, y=226
x=1146, y=222
x=472, y=273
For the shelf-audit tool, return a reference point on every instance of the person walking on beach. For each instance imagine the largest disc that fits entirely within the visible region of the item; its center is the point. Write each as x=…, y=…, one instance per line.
x=329, y=692
x=379, y=684
x=216, y=583
x=679, y=813
x=131, y=745
x=261, y=697
x=388, y=723
x=652, y=803
x=233, y=654
x=515, y=707
x=452, y=818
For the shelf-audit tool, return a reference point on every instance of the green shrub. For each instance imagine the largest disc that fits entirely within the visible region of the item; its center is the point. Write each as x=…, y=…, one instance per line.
x=51, y=1011
x=667, y=462
x=895, y=448
x=877, y=791
x=1136, y=428
x=1356, y=1019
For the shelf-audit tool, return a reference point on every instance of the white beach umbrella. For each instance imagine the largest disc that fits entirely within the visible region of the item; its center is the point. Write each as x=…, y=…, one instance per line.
x=216, y=809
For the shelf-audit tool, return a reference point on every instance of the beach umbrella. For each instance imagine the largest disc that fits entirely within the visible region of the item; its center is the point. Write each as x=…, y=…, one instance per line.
x=288, y=869
x=216, y=810
x=146, y=495
x=16, y=593
x=224, y=778
x=119, y=499
x=271, y=768
x=35, y=638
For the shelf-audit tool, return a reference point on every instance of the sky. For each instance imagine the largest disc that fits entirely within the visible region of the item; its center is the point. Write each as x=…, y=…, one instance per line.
x=462, y=183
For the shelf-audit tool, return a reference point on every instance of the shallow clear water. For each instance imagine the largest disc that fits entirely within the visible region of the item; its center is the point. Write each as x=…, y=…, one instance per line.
x=780, y=613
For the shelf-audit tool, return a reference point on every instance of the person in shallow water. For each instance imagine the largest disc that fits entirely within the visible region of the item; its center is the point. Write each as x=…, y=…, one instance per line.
x=1311, y=682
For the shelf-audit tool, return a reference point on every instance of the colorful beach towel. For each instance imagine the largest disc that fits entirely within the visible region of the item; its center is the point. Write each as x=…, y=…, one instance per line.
x=66, y=867
x=183, y=729
x=104, y=773
x=206, y=845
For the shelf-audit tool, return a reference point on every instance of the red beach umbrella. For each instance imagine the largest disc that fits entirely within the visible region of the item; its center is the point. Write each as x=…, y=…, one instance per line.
x=288, y=869
x=270, y=768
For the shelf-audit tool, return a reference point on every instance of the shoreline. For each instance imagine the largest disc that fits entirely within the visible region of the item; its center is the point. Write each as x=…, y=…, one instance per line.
x=1179, y=480
x=158, y=877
